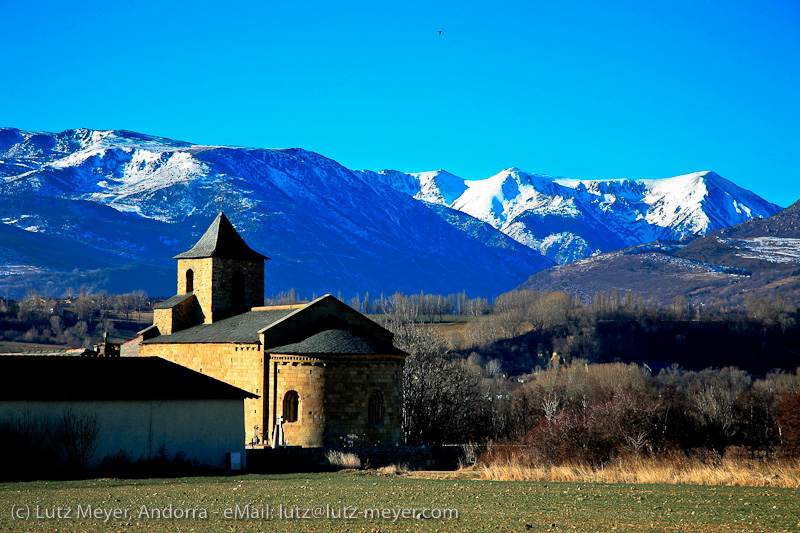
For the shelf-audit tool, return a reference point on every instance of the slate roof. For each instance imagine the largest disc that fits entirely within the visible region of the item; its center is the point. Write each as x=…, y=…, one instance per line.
x=97, y=379
x=336, y=341
x=221, y=240
x=326, y=331
x=238, y=328
x=173, y=301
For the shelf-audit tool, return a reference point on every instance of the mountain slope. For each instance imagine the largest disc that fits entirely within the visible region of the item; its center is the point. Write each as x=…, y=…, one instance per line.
x=106, y=200
x=567, y=219
x=760, y=257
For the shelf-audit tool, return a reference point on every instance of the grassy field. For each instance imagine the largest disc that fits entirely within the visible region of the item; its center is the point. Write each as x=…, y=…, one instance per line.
x=482, y=505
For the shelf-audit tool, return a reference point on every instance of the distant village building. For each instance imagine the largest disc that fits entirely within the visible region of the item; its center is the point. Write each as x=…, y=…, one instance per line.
x=142, y=407
x=322, y=370
x=107, y=348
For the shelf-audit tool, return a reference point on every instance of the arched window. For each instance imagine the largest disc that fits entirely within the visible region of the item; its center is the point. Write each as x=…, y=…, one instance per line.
x=375, y=409
x=291, y=402
x=189, y=280
x=237, y=289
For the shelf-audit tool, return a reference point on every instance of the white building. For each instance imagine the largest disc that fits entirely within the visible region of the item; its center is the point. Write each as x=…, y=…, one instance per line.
x=142, y=406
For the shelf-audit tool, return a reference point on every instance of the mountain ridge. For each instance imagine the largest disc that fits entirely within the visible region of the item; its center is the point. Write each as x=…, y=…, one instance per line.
x=758, y=258
x=356, y=230
x=327, y=228
x=568, y=219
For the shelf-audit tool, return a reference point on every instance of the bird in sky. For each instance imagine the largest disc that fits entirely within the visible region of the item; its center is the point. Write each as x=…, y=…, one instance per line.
x=440, y=32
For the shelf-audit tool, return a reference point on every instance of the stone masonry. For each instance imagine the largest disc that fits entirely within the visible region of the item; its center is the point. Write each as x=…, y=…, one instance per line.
x=241, y=365
x=333, y=393
x=331, y=356
x=213, y=284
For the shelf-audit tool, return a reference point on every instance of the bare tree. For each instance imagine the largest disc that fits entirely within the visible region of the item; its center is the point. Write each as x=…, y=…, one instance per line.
x=76, y=433
x=441, y=399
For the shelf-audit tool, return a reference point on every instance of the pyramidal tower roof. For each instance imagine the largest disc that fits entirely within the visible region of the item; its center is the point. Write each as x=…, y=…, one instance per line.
x=221, y=240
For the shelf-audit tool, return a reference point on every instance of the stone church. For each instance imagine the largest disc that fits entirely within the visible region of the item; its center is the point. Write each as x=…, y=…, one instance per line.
x=322, y=371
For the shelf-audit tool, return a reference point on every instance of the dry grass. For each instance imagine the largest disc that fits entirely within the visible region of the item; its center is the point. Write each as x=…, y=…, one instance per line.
x=394, y=470
x=676, y=470
x=343, y=459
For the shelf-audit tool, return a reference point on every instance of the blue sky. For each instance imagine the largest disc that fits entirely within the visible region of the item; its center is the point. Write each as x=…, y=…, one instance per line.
x=588, y=90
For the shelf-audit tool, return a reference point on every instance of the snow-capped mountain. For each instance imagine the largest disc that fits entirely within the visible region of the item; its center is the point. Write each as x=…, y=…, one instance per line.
x=758, y=258
x=569, y=219
x=110, y=208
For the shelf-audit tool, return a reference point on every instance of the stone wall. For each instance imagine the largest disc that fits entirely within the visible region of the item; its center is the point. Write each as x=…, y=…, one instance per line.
x=203, y=282
x=332, y=390
x=307, y=377
x=241, y=365
x=213, y=284
x=297, y=459
x=180, y=316
x=350, y=380
x=333, y=393
x=224, y=270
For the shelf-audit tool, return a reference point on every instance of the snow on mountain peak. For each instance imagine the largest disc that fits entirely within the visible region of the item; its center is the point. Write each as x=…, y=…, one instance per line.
x=567, y=219
x=439, y=187
x=109, y=198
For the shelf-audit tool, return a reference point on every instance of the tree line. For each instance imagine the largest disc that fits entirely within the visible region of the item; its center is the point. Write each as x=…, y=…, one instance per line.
x=523, y=329
x=582, y=388
x=594, y=412
x=75, y=321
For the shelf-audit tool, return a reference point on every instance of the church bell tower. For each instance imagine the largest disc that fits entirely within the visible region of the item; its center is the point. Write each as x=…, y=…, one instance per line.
x=222, y=271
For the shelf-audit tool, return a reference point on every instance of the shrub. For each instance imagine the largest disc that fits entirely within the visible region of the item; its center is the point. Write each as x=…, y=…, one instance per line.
x=468, y=456
x=123, y=465
x=565, y=438
x=27, y=450
x=40, y=446
x=343, y=459
x=394, y=469
x=75, y=434
x=789, y=422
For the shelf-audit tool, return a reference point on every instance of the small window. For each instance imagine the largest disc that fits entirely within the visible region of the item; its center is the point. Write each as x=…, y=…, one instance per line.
x=189, y=280
x=375, y=409
x=237, y=289
x=291, y=402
